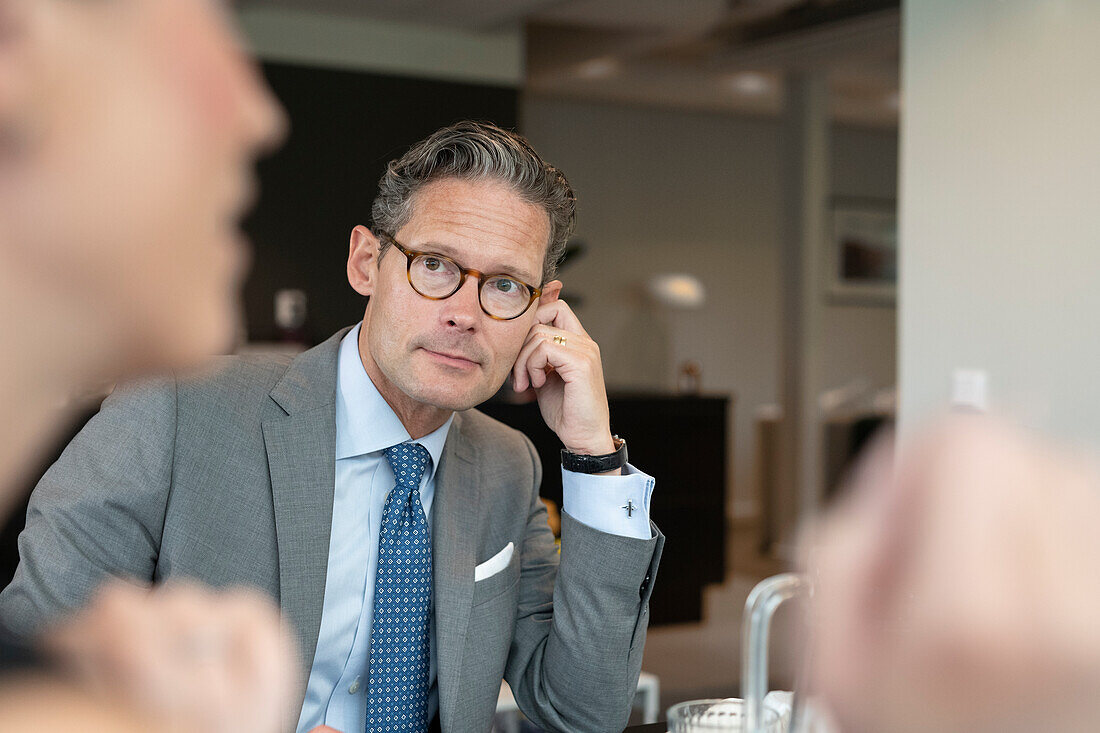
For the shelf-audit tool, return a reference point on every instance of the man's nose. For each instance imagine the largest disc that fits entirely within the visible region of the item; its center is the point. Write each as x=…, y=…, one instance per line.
x=263, y=122
x=463, y=309
x=259, y=121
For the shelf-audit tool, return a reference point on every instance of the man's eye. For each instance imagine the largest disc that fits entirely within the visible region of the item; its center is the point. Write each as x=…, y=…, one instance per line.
x=506, y=286
x=432, y=264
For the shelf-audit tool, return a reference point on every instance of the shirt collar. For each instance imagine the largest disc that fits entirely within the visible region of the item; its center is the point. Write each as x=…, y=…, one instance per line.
x=365, y=423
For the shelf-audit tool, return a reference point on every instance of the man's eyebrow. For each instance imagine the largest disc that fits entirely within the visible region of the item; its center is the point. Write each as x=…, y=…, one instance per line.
x=440, y=248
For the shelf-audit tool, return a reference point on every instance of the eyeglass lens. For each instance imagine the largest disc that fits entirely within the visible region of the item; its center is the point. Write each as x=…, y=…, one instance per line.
x=436, y=277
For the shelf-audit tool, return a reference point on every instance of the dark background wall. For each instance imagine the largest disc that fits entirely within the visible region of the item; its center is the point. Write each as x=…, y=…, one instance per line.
x=345, y=127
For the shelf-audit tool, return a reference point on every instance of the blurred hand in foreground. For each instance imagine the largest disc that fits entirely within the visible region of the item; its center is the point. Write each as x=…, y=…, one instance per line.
x=189, y=658
x=956, y=588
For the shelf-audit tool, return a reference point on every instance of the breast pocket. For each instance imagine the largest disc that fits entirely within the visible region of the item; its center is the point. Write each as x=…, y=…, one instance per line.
x=497, y=583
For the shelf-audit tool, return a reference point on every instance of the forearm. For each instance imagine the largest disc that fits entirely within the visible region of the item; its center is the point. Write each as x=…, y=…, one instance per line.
x=583, y=673
x=97, y=512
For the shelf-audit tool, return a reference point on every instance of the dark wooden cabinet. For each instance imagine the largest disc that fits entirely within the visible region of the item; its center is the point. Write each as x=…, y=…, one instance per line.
x=680, y=441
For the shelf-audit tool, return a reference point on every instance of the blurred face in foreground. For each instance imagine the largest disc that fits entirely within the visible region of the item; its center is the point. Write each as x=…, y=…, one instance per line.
x=127, y=133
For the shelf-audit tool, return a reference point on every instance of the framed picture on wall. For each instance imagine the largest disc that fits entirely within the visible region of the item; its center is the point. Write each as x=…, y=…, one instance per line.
x=863, y=252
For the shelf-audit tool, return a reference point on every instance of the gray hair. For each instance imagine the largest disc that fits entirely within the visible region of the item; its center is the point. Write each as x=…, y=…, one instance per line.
x=477, y=151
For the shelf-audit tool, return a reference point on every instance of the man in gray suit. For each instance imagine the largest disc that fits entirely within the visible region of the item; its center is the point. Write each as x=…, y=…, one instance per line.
x=280, y=473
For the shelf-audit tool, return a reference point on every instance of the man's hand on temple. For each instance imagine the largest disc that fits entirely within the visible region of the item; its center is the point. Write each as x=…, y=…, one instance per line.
x=562, y=363
x=954, y=588
x=192, y=659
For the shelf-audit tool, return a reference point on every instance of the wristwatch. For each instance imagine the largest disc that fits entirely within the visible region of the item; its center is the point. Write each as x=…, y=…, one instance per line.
x=581, y=463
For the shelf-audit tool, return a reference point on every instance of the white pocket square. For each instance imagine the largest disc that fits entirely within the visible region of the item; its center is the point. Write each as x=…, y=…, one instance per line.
x=494, y=564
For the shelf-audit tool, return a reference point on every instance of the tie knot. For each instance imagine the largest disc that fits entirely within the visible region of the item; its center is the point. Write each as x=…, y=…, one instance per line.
x=408, y=461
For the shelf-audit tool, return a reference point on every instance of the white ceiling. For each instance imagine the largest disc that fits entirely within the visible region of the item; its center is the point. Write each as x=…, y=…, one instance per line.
x=680, y=53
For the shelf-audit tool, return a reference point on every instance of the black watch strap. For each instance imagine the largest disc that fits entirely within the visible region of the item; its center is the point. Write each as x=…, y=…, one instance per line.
x=581, y=463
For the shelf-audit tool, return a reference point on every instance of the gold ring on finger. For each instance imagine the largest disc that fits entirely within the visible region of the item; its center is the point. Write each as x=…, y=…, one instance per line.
x=559, y=340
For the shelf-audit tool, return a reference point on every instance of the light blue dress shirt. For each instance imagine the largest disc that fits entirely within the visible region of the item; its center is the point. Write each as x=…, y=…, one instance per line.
x=365, y=426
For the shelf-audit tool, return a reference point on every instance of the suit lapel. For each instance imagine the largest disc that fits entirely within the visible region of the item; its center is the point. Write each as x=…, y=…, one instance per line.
x=301, y=452
x=455, y=518
x=301, y=455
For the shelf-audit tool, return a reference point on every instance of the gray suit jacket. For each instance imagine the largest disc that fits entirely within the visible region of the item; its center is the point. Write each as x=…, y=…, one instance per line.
x=229, y=479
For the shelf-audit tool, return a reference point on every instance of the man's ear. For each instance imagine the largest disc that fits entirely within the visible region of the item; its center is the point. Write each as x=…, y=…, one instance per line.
x=550, y=292
x=363, y=260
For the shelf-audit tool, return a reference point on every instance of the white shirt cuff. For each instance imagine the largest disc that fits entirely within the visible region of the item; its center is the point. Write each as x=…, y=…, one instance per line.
x=612, y=504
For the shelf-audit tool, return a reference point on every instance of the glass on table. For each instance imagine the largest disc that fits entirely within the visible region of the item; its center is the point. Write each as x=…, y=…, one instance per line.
x=717, y=716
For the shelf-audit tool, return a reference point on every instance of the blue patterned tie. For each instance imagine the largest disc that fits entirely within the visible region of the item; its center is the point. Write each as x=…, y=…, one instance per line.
x=397, y=696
